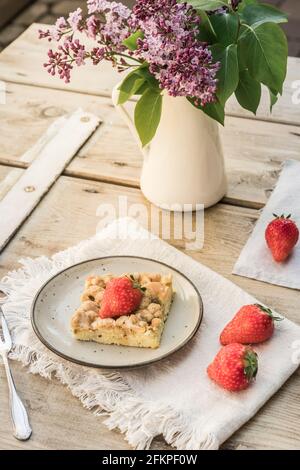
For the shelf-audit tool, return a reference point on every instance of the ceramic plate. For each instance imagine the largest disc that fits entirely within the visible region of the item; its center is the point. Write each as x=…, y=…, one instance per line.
x=57, y=300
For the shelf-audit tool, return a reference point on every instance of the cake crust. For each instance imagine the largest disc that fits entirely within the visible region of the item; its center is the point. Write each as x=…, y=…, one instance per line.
x=143, y=328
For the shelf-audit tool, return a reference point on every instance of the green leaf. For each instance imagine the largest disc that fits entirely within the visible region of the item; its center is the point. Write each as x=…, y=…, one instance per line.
x=207, y=5
x=129, y=86
x=226, y=27
x=147, y=115
x=255, y=15
x=228, y=74
x=248, y=92
x=206, y=31
x=245, y=3
x=142, y=89
x=241, y=59
x=131, y=41
x=264, y=48
x=144, y=73
x=136, y=83
x=213, y=110
x=273, y=98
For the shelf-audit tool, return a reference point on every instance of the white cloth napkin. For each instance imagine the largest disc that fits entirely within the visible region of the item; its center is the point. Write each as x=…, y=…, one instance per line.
x=255, y=260
x=173, y=397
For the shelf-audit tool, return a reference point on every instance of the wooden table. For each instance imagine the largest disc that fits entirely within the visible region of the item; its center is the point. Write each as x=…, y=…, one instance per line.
x=107, y=166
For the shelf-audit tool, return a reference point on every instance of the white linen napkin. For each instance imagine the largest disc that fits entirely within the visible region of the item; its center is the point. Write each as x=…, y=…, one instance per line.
x=255, y=260
x=173, y=397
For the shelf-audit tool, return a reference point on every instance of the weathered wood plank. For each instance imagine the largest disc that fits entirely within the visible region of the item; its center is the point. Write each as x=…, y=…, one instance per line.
x=8, y=177
x=21, y=62
x=58, y=419
x=254, y=150
x=276, y=426
x=50, y=156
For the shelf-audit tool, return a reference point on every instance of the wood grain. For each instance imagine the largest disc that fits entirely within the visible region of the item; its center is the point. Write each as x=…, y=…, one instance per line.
x=22, y=61
x=254, y=150
x=8, y=177
x=56, y=417
x=50, y=156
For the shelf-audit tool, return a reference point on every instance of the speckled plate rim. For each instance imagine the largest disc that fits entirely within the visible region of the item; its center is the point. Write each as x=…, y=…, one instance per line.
x=101, y=366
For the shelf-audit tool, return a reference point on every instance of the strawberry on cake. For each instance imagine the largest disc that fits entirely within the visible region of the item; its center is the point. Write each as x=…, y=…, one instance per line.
x=128, y=310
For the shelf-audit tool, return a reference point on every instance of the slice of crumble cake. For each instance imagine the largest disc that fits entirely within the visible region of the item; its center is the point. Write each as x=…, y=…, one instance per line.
x=146, y=298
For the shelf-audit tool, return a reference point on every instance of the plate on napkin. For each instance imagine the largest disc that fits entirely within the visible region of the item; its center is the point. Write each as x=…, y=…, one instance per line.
x=59, y=297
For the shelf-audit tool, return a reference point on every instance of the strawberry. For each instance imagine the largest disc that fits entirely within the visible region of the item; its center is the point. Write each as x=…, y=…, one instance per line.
x=252, y=324
x=281, y=236
x=121, y=297
x=234, y=367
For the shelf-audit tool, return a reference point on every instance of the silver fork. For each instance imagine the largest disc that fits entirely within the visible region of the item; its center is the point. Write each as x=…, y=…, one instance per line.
x=21, y=426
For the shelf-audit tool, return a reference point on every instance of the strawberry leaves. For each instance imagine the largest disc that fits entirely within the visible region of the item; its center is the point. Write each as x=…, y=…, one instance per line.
x=282, y=216
x=250, y=364
x=136, y=285
x=234, y=367
x=269, y=312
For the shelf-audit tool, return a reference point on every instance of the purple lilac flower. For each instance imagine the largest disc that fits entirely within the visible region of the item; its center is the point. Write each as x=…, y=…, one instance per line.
x=92, y=26
x=76, y=50
x=180, y=63
x=107, y=25
x=75, y=18
x=56, y=32
x=97, y=54
x=115, y=28
x=177, y=59
x=100, y=6
x=59, y=62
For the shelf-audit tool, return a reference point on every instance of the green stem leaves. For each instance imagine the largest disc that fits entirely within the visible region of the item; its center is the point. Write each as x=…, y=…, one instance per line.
x=251, y=48
x=213, y=110
x=255, y=15
x=228, y=74
x=148, y=109
x=248, y=92
x=264, y=48
x=226, y=27
x=147, y=114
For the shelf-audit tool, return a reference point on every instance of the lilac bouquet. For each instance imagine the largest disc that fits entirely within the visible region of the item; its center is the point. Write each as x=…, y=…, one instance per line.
x=204, y=50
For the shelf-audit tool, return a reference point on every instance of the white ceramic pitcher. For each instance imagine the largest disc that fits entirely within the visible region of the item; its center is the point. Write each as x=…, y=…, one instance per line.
x=183, y=164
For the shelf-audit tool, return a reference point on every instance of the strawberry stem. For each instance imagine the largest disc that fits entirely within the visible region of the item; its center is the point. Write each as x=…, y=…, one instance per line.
x=282, y=216
x=251, y=364
x=269, y=312
x=136, y=285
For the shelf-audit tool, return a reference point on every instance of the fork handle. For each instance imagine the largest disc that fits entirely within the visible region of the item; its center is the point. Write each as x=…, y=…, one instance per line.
x=19, y=417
